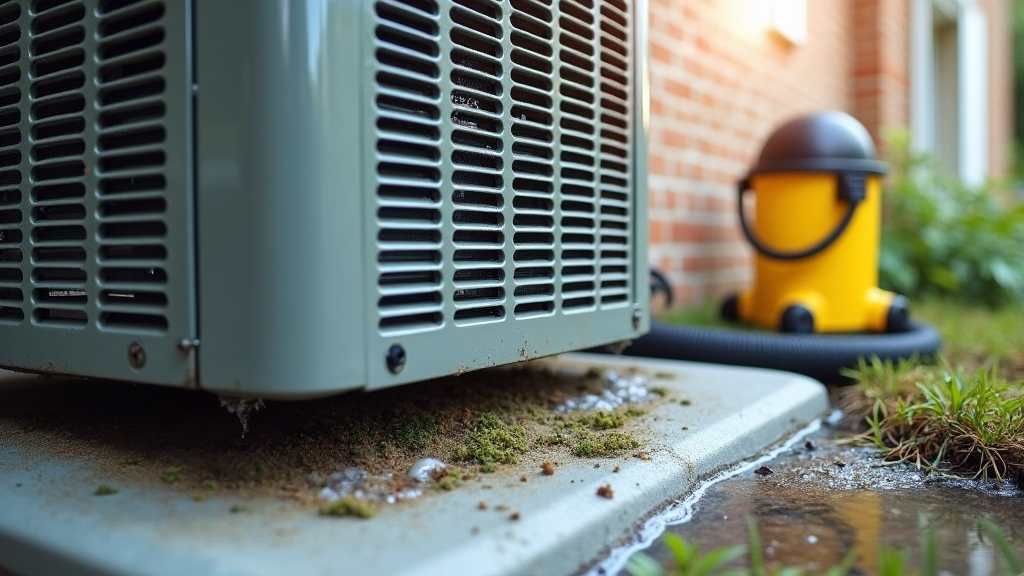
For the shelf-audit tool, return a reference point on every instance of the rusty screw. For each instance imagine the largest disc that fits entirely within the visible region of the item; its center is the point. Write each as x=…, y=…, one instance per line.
x=136, y=355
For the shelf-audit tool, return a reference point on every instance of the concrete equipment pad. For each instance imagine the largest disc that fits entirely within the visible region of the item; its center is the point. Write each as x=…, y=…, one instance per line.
x=52, y=523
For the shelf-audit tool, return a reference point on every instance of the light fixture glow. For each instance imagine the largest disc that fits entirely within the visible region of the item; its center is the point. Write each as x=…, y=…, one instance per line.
x=789, y=20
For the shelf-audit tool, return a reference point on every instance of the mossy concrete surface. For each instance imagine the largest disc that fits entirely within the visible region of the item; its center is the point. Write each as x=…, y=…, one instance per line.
x=520, y=519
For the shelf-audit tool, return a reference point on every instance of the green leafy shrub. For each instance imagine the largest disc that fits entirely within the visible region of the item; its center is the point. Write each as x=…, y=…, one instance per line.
x=940, y=237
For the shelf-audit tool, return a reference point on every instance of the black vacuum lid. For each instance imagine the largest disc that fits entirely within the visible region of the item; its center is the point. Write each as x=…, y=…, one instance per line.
x=822, y=142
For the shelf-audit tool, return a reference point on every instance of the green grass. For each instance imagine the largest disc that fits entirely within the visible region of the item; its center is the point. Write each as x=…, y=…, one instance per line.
x=704, y=314
x=975, y=336
x=968, y=422
x=748, y=560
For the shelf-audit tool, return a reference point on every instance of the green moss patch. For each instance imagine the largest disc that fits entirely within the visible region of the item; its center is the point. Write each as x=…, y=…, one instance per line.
x=348, y=506
x=610, y=444
x=105, y=490
x=492, y=442
x=592, y=435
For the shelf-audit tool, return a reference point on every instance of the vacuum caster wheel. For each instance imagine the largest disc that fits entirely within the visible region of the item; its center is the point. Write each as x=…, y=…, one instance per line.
x=730, y=310
x=898, y=317
x=798, y=319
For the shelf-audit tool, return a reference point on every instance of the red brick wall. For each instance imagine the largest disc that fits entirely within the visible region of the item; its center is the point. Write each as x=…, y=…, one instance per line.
x=721, y=81
x=881, y=60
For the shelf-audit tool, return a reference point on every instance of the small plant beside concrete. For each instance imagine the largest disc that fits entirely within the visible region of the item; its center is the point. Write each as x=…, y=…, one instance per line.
x=942, y=419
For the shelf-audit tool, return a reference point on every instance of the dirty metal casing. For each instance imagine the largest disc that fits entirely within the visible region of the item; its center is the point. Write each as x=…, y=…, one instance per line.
x=291, y=199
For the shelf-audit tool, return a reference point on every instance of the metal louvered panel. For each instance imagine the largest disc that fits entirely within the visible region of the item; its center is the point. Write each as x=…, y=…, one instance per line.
x=477, y=165
x=616, y=153
x=408, y=148
x=95, y=201
x=12, y=241
x=534, y=149
x=525, y=174
x=58, y=232
x=132, y=159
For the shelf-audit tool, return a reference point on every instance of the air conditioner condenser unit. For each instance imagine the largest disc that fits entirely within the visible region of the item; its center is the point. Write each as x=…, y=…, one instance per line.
x=292, y=199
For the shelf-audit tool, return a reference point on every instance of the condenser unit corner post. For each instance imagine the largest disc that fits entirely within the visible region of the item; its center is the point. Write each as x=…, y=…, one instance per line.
x=641, y=126
x=280, y=197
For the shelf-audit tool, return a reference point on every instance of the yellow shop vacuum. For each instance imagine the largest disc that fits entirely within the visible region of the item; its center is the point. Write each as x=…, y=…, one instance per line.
x=817, y=185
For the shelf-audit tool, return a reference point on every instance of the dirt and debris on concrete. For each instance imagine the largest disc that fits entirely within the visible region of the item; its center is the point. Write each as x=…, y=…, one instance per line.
x=358, y=444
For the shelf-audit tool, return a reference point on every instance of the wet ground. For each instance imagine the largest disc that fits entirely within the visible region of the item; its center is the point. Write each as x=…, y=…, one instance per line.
x=815, y=503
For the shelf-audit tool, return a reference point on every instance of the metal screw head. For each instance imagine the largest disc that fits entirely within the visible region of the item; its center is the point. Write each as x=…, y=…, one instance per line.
x=395, y=358
x=136, y=355
x=637, y=316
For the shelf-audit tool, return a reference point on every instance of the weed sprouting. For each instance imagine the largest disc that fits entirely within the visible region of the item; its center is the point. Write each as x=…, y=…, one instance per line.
x=942, y=419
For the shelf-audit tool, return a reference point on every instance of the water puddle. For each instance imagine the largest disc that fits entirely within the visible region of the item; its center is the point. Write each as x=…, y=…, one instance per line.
x=682, y=511
x=814, y=501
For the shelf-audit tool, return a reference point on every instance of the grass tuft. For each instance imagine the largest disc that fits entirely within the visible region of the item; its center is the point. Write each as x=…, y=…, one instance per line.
x=941, y=419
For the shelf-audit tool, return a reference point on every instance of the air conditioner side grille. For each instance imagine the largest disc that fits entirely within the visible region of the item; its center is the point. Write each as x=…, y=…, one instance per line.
x=533, y=149
x=57, y=196
x=12, y=242
x=96, y=235
x=507, y=127
x=477, y=165
x=615, y=151
x=132, y=159
x=409, y=177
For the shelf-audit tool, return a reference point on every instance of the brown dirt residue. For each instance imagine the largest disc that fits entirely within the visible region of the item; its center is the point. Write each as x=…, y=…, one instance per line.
x=184, y=440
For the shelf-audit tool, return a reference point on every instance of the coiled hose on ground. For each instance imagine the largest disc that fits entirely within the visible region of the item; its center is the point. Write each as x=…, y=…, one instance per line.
x=819, y=356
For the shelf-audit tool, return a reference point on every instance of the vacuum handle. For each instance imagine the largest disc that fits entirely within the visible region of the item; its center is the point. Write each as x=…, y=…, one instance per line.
x=851, y=189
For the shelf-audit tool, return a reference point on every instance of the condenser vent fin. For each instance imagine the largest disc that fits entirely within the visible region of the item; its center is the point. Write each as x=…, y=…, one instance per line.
x=131, y=167
x=477, y=162
x=615, y=153
x=58, y=167
x=533, y=149
x=407, y=110
x=578, y=169
x=12, y=243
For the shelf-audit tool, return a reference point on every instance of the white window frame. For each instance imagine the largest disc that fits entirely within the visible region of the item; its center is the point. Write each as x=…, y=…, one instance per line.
x=972, y=85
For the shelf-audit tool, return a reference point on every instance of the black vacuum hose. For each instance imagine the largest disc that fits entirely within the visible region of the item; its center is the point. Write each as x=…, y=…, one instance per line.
x=819, y=356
